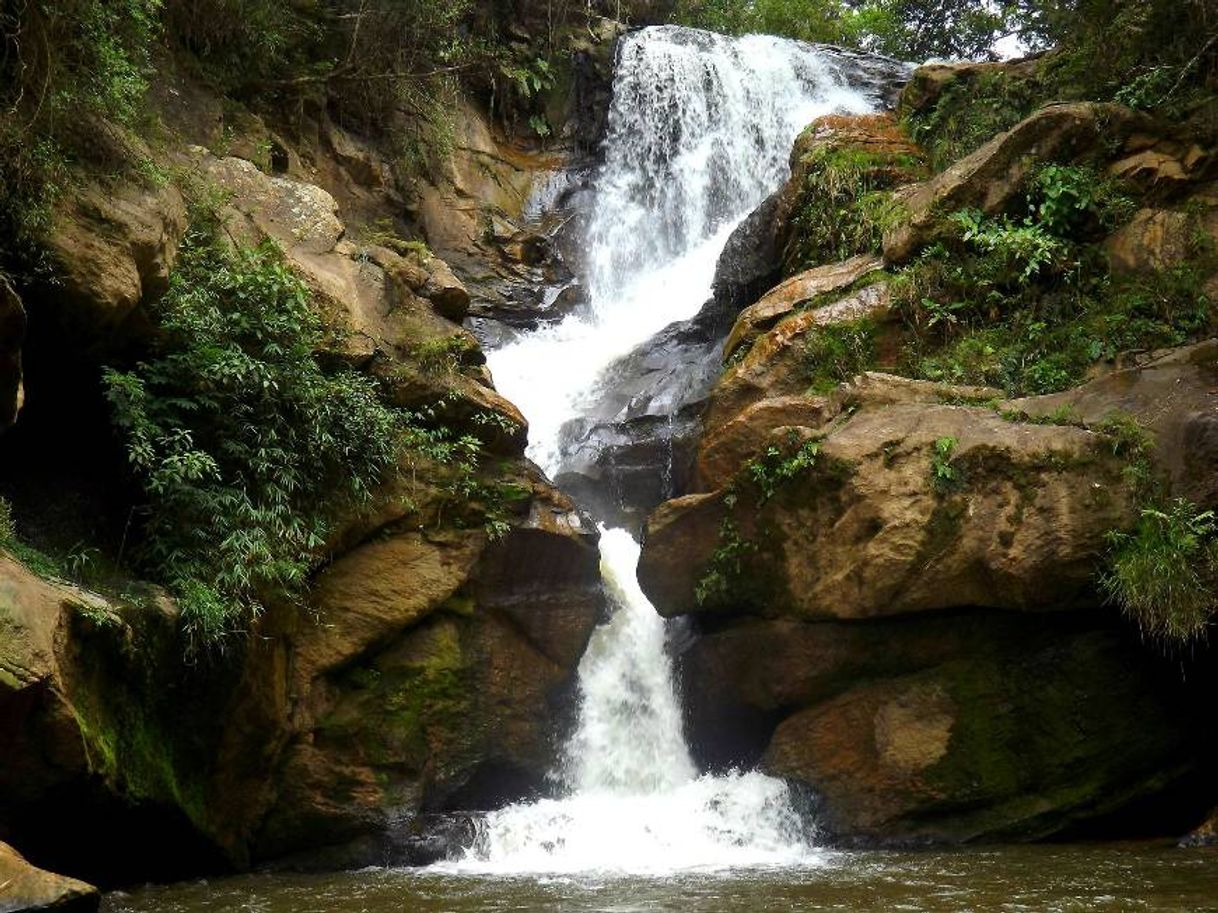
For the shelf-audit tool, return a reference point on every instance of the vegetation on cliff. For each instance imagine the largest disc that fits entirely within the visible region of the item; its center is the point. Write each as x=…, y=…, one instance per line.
x=244, y=446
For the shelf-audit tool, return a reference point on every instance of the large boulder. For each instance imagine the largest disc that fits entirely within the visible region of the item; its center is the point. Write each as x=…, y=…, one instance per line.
x=800, y=289
x=844, y=172
x=951, y=728
x=869, y=528
x=777, y=363
x=113, y=245
x=26, y=887
x=435, y=678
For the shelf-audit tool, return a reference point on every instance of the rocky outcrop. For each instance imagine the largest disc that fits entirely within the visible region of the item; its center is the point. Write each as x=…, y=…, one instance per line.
x=799, y=289
x=991, y=178
x=114, y=245
x=26, y=887
x=874, y=527
x=12, y=335
x=987, y=694
x=776, y=364
x=430, y=669
x=1205, y=835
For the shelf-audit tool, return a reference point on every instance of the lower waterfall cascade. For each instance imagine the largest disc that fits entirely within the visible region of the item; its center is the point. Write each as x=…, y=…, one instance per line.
x=698, y=135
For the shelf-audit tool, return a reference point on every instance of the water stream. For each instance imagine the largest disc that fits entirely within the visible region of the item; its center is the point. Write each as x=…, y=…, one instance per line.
x=699, y=134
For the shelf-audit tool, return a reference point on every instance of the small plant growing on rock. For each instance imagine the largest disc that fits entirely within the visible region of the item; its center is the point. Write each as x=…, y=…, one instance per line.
x=943, y=475
x=1164, y=573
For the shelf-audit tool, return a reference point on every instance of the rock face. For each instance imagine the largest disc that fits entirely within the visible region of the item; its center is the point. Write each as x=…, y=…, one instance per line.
x=987, y=694
x=25, y=887
x=868, y=532
x=115, y=246
x=430, y=671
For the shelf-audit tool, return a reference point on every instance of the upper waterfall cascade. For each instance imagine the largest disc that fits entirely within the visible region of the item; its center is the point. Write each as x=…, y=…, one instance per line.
x=699, y=133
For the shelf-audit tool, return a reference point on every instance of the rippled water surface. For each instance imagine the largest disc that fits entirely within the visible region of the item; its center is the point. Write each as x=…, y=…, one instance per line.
x=1057, y=879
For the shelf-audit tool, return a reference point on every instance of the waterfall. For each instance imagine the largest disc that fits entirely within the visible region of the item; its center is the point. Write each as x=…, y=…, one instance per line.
x=698, y=135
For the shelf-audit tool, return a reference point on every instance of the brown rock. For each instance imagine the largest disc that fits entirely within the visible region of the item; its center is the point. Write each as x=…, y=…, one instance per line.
x=1015, y=740
x=1159, y=238
x=26, y=887
x=789, y=294
x=864, y=533
x=929, y=81
x=1173, y=396
x=115, y=247
x=775, y=364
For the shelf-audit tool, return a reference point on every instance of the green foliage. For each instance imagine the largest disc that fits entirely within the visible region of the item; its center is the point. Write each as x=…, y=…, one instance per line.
x=1163, y=574
x=1029, y=306
x=943, y=475
x=807, y=20
x=970, y=112
x=774, y=468
x=1076, y=201
x=63, y=65
x=243, y=445
x=443, y=355
x=1157, y=55
x=726, y=567
x=907, y=29
x=8, y=526
x=838, y=352
x=843, y=206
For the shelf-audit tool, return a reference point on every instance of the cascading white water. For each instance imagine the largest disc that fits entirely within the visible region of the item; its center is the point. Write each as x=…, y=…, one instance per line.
x=698, y=135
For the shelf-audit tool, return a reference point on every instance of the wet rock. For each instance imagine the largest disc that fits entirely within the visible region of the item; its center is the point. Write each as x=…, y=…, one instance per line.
x=636, y=448
x=26, y=887
x=1205, y=835
x=751, y=260
x=1027, y=730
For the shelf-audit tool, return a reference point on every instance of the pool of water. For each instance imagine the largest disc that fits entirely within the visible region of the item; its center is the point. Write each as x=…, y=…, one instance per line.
x=1042, y=879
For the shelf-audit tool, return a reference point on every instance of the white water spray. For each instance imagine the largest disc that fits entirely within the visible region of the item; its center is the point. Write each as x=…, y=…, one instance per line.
x=698, y=136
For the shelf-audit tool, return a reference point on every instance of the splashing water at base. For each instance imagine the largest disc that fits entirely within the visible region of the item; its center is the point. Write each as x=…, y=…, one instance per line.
x=698, y=135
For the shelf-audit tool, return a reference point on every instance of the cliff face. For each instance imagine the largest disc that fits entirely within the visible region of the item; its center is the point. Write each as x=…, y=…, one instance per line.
x=429, y=666
x=892, y=553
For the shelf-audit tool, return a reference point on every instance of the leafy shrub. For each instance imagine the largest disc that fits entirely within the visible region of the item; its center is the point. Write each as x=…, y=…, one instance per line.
x=1027, y=248
x=726, y=567
x=970, y=112
x=243, y=445
x=63, y=64
x=1163, y=574
x=843, y=206
x=774, y=468
x=1070, y=201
